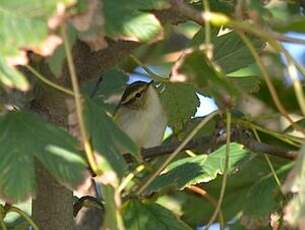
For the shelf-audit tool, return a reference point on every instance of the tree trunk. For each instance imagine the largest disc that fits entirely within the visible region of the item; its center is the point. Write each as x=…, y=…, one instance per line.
x=52, y=206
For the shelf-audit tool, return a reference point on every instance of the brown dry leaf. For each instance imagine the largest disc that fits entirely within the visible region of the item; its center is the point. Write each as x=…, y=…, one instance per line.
x=91, y=25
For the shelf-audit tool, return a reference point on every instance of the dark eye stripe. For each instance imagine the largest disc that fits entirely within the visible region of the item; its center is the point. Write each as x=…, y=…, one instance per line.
x=133, y=90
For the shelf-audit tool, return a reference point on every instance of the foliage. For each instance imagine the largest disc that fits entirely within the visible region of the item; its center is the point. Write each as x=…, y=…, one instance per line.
x=217, y=169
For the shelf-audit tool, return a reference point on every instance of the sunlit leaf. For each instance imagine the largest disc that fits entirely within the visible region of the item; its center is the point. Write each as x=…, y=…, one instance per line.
x=130, y=20
x=24, y=25
x=201, y=168
x=24, y=137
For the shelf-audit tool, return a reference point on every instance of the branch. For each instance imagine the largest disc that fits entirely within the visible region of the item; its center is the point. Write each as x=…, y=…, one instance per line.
x=205, y=143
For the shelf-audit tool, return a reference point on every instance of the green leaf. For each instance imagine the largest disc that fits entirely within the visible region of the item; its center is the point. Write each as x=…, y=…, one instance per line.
x=109, y=91
x=251, y=190
x=196, y=68
x=247, y=84
x=24, y=25
x=150, y=216
x=230, y=53
x=180, y=103
x=295, y=24
x=107, y=138
x=24, y=137
x=27, y=22
x=201, y=168
x=128, y=20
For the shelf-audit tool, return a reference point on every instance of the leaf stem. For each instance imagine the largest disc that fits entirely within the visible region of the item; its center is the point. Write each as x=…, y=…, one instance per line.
x=207, y=29
x=151, y=74
x=175, y=153
x=285, y=138
x=129, y=177
x=269, y=83
x=79, y=106
x=276, y=178
x=48, y=82
x=225, y=171
x=24, y=215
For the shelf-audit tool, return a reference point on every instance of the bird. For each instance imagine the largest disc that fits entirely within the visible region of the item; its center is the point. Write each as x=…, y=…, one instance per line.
x=140, y=114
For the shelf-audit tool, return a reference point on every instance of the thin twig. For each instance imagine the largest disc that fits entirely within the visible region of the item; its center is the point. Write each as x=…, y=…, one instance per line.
x=225, y=171
x=276, y=178
x=79, y=107
x=48, y=82
x=151, y=74
x=24, y=215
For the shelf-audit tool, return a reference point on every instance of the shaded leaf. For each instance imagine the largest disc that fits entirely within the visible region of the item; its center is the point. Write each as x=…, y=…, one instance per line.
x=230, y=53
x=109, y=91
x=150, y=216
x=251, y=190
x=24, y=136
x=180, y=103
x=197, y=69
x=107, y=138
x=247, y=84
x=201, y=168
x=295, y=24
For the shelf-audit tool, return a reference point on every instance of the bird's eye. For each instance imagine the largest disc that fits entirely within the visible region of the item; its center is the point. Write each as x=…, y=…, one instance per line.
x=138, y=95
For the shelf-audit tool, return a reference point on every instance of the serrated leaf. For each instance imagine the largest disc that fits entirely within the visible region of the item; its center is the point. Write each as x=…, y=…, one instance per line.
x=107, y=138
x=27, y=22
x=126, y=20
x=180, y=103
x=230, y=53
x=197, y=69
x=201, y=168
x=260, y=194
x=150, y=216
x=24, y=137
x=24, y=25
